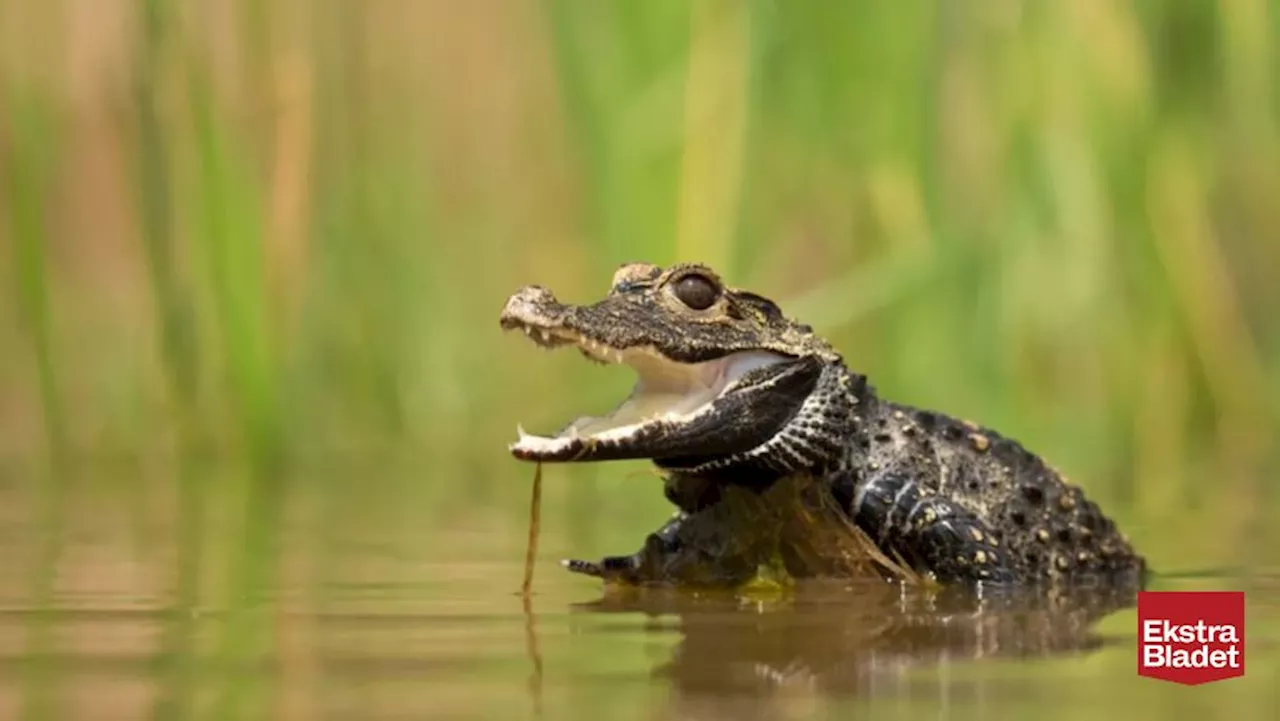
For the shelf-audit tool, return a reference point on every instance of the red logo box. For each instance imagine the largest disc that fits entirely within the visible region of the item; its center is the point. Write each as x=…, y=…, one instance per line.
x=1191, y=637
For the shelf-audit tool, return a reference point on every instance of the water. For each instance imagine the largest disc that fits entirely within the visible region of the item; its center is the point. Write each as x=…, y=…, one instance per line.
x=383, y=610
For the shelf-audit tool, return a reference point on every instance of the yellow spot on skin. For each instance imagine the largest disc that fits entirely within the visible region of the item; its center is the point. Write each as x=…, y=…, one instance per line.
x=1083, y=556
x=1067, y=502
x=970, y=425
x=1063, y=563
x=929, y=516
x=980, y=557
x=1042, y=534
x=977, y=535
x=980, y=442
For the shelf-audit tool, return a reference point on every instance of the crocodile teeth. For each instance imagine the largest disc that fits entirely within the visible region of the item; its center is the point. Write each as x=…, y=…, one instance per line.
x=600, y=351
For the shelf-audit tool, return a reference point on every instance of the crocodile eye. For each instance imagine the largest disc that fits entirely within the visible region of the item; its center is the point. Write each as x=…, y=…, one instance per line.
x=696, y=291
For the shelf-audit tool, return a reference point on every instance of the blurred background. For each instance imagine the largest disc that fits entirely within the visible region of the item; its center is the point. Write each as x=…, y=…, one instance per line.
x=254, y=255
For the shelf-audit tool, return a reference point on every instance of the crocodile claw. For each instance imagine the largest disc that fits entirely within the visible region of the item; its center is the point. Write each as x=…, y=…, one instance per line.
x=587, y=568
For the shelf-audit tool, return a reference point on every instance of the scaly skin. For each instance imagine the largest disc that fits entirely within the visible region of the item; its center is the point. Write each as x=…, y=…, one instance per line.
x=954, y=500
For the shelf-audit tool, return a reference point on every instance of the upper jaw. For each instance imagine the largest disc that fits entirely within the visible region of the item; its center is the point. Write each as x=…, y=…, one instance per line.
x=547, y=323
x=558, y=337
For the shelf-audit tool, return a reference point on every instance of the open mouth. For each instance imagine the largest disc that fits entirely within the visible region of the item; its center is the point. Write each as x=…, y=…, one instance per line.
x=667, y=393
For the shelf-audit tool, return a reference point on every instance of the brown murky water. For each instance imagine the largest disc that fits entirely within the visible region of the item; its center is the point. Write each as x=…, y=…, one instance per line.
x=378, y=622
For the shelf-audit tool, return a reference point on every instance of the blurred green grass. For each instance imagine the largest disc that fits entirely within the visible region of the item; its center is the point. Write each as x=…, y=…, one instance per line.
x=273, y=232
x=274, y=238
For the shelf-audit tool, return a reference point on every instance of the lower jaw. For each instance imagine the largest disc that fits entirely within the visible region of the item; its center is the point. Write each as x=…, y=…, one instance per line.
x=667, y=393
x=623, y=432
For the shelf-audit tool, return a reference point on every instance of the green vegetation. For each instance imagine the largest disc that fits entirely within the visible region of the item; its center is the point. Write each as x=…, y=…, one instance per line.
x=255, y=252
x=268, y=232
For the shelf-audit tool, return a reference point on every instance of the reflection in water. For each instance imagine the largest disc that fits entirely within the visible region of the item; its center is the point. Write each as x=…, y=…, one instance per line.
x=531, y=648
x=859, y=641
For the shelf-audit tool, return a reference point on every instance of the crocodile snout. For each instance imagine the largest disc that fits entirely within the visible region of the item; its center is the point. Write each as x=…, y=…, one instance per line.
x=532, y=305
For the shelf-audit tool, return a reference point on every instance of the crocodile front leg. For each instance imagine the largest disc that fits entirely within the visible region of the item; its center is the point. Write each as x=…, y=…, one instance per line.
x=682, y=550
x=701, y=549
x=661, y=548
x=929, y=532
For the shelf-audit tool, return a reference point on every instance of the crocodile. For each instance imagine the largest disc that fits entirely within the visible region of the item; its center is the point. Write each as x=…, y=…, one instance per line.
x=732, y=393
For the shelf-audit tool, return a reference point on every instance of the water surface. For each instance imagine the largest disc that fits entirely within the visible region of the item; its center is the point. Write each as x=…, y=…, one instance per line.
x=373, y=608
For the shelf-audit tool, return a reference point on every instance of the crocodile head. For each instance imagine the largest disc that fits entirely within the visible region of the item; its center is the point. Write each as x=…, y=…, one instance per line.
x=724, y=377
